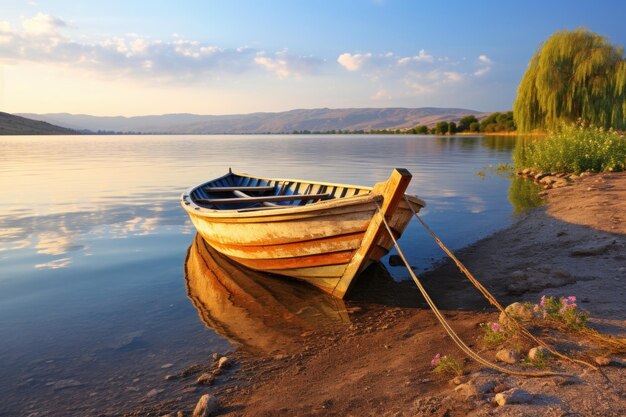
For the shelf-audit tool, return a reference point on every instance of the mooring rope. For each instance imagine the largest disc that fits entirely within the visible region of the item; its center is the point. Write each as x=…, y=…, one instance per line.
x=449, y=330
x=492, y=300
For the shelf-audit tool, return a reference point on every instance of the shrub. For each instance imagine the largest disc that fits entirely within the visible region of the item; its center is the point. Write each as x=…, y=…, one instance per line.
x=563, y=310
x=574, y=148
x=495, y=334
x=446, y=366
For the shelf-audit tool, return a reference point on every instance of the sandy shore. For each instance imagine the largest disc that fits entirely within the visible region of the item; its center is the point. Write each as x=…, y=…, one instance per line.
x=380, y=363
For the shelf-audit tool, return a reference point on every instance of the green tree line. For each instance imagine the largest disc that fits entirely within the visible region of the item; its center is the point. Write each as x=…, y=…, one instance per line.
x=495, y=122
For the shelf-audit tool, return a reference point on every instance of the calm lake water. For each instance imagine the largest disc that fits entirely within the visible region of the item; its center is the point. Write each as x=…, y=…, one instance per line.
x=93, y=242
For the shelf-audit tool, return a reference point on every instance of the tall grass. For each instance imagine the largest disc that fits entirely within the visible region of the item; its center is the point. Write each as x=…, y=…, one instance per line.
x=574, y=149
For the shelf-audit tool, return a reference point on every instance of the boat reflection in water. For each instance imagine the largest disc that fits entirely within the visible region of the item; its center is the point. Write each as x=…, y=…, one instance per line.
x=253, y=310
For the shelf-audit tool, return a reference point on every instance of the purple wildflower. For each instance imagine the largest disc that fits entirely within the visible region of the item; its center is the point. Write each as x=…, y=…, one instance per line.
x=435, y=359
x=543, y=301
x=571, y=299
x=495, y=327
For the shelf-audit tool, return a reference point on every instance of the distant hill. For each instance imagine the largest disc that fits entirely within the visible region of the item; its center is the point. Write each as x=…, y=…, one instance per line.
x=16, y=125
x=281, y=122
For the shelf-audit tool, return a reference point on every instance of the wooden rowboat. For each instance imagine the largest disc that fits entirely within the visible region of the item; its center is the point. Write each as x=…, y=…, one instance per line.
x=321, y=233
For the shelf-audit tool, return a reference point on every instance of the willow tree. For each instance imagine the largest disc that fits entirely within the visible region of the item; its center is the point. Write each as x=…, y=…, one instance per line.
x=574, y=75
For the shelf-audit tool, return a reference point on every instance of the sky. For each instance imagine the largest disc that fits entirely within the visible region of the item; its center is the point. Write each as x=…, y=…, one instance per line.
x=138, y=57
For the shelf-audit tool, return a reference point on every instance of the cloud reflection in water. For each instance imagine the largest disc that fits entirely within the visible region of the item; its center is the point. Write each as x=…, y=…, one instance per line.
x=57, y=238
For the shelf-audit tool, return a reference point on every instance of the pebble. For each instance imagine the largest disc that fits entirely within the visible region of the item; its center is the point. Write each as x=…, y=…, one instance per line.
x=471, y=389
x=205, y=379
x=167, y=365
x=515, y=310
x=207, y=405
x=538, y=353
x=548, y=180
x=224, y=363
x=513, y=396
x=508, y=356
x=467, y=390
x=457, y=380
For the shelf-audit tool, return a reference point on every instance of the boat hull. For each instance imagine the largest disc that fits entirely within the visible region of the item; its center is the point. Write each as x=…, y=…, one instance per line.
x=321, y=244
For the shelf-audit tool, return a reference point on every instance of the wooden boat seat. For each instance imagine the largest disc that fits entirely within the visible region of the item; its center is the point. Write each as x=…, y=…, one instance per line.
x=264, y=199
x=242, y=188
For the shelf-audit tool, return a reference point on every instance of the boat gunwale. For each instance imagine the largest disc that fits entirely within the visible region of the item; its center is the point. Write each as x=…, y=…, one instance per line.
x=193, y=208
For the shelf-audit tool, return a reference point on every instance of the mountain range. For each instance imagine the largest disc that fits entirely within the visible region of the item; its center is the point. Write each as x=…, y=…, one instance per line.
x=314, y=120
x=16, y=125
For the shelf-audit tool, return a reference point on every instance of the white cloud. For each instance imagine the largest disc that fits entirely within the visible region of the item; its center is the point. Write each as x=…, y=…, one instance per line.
x=422, y=56
x=485, y=64
x=284, y=65
x=42, y=39
x=402, y=76
x=353, y=62
x=453, y=76
x=482, y=71
x=43, y=24
x=485, y=59
x=388, y=60
x=381, y=94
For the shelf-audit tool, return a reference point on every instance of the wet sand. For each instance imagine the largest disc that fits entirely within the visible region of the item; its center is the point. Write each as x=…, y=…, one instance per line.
x=380, y=363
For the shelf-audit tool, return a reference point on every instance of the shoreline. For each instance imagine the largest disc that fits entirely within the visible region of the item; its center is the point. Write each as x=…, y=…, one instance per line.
x=379, y=363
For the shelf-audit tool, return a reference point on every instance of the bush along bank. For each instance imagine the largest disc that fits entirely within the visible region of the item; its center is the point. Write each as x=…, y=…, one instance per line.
x=573, y=149
x=572, y=152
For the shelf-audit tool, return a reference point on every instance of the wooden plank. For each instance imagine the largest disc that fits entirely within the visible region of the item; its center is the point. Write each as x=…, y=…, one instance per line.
x=275, y=233
x=275, y=264
x=261, y=199
x=243, y=188
x=241, y=194
x=262, y=208
x=289, y=250
x=393, y=192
